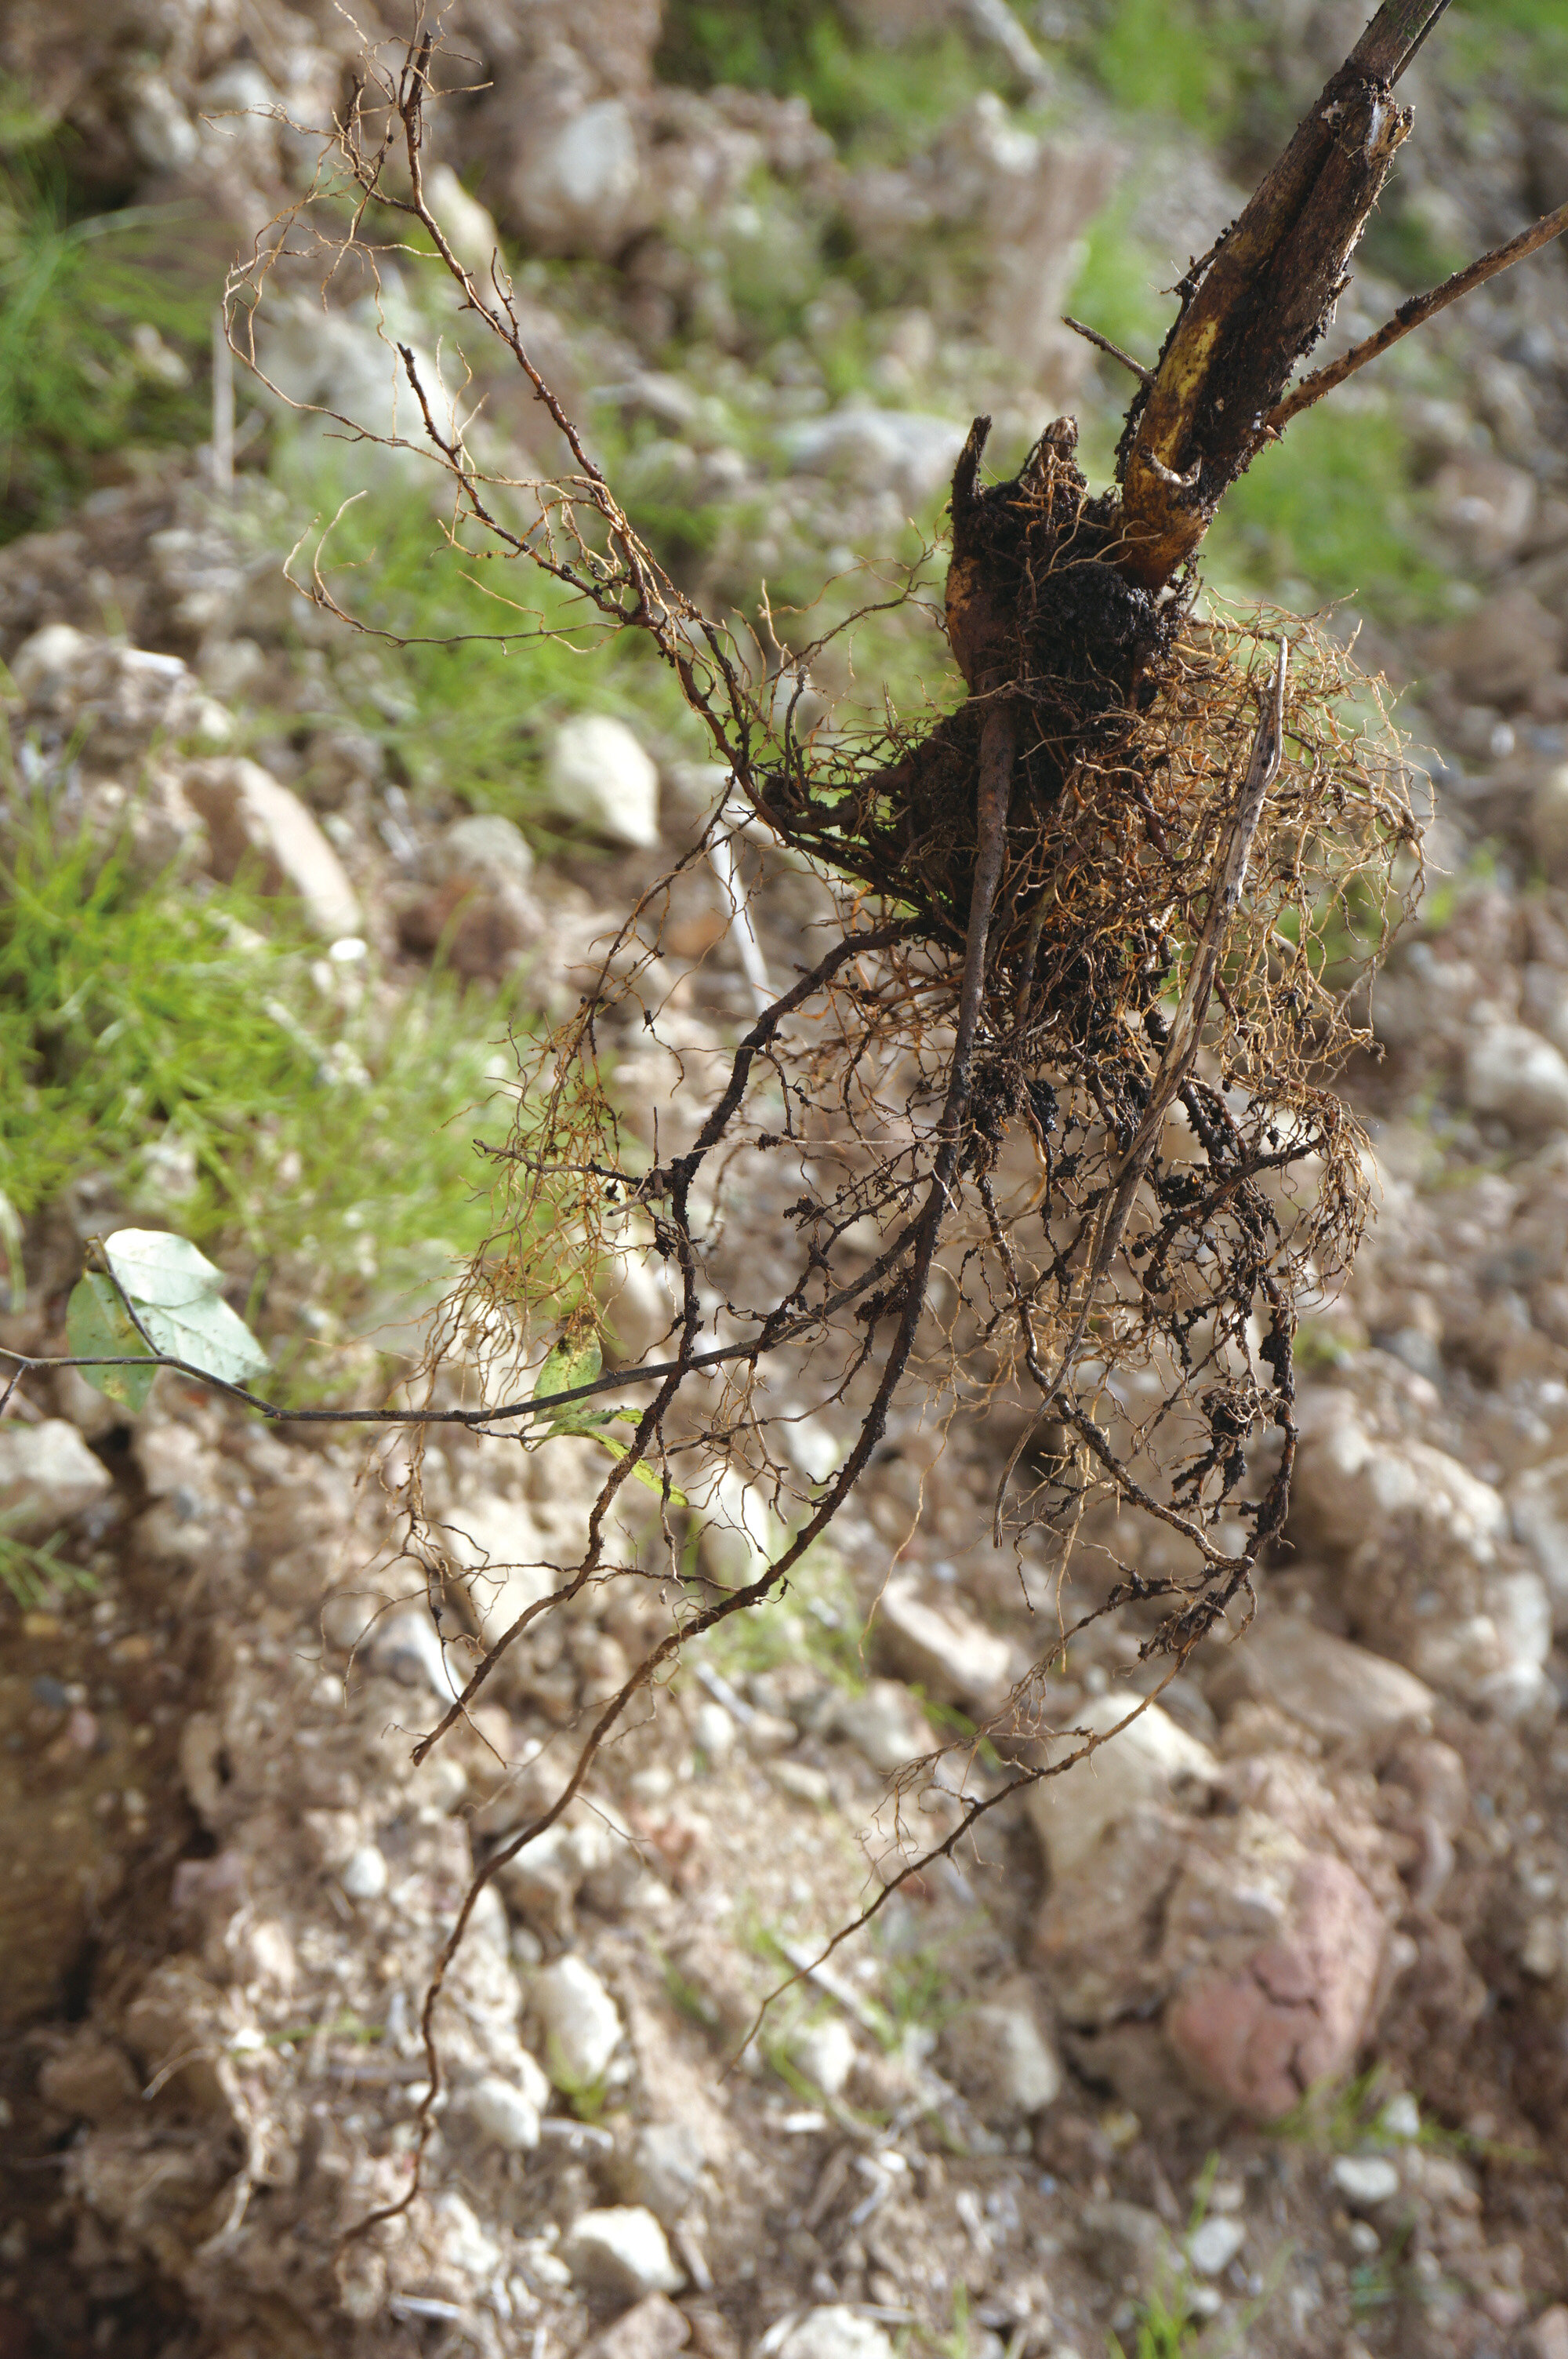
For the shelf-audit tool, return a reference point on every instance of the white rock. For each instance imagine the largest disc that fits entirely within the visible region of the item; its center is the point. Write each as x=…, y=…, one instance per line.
x=504, y=2115
x=871, y=450
x=1512, y=1072
x=637, y=1296
x=343, y=363
x=621, y=2253
x=467, y=227
x=252, y=818
x=582, y=2023
x=365, y=1878
x=1496, y=1658
x=1336, y=1688
x=946, y=1649
x=1353, y=1487
x=835, y=2331
x=1213, y=2244
x=997, y=2055
x=1366, y=2179
x=1401, y=2117
x=162, y=134
x=739, y=1531
x=574, y=189
x=46, y=1475
x=1152, y=1761
x=463, y=2248
x=825, y=2053
x=664, y=2168
x=1538, y=1511
x=598, y=776
x=407, y=1647
x=547, y=1875
x=486, y=846
x=48, y=665
x=885, y=1722
x=712, y=1731
x=498, y=1544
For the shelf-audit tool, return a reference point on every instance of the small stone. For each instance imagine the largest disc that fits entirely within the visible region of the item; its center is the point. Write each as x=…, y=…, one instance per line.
x=1538, y=1511
x=663, y=2168
x=1548, y=2338
x=465, y=224
x=998, y=2057
x=946, y=1649
x=504, y=2114
x=713, y=1731
x=885, y=1723
x=621, y=2254
x=1503, y=651
x=835, y=2331
x=824, y=2054
x=1129, y=2245
x=582, y=2024
x=1364, y=2180
x=365, y=1878
x=90, y=2080
x=872, y=450
x=1151, y=1761
x=47, y=666
x=1213, y=2244
x=598, y=777
x=767, y=1732
x=1401, y=2117
x=162, y=134
x=576, y=180
x=252, y=818
x=407, y=1647
x=1542, y=1950
x=1512, y=1072
x=801, y=1783
x=46, y=1475
x=651, y=2329
x=485, y=847
x=1336, y=1689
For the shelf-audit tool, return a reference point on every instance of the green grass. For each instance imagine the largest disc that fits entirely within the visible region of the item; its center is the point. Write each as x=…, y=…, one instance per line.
x=103, y=330
x=476, y=688
x=160, y=1025
x=1165, y=57
x=1515, y=45
x=34, y=1572
x=1334, y=506
x=875, y=95
x=1167, y=2330
x=1119, y=290
x=816, y=1620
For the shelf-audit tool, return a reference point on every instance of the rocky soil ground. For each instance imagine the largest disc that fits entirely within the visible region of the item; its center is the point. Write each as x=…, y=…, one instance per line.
x=1254, y=2038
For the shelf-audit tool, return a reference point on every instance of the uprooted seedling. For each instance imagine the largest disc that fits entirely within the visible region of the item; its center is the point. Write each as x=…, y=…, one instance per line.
x=1048, y=1130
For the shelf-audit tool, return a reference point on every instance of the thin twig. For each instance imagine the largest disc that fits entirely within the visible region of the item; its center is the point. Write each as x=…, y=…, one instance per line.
x=1093, y=336
x=1415, y=313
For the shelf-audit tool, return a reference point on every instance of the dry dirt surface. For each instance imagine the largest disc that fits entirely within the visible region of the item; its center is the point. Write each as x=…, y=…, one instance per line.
x=1261, y=2019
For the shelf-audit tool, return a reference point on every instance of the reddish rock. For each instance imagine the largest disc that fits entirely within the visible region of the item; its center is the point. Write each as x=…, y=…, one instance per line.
x=1295, y=2012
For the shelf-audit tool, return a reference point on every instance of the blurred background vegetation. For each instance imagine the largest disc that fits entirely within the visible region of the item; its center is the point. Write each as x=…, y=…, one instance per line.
x=134, y=1011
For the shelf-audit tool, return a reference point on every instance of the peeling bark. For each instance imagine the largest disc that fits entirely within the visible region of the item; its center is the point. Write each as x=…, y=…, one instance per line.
x=1254, y=306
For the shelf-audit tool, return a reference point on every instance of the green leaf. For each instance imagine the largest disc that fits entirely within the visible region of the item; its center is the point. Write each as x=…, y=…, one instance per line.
x=576, y=1360
x=96, y=1327
x=178, y=1296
